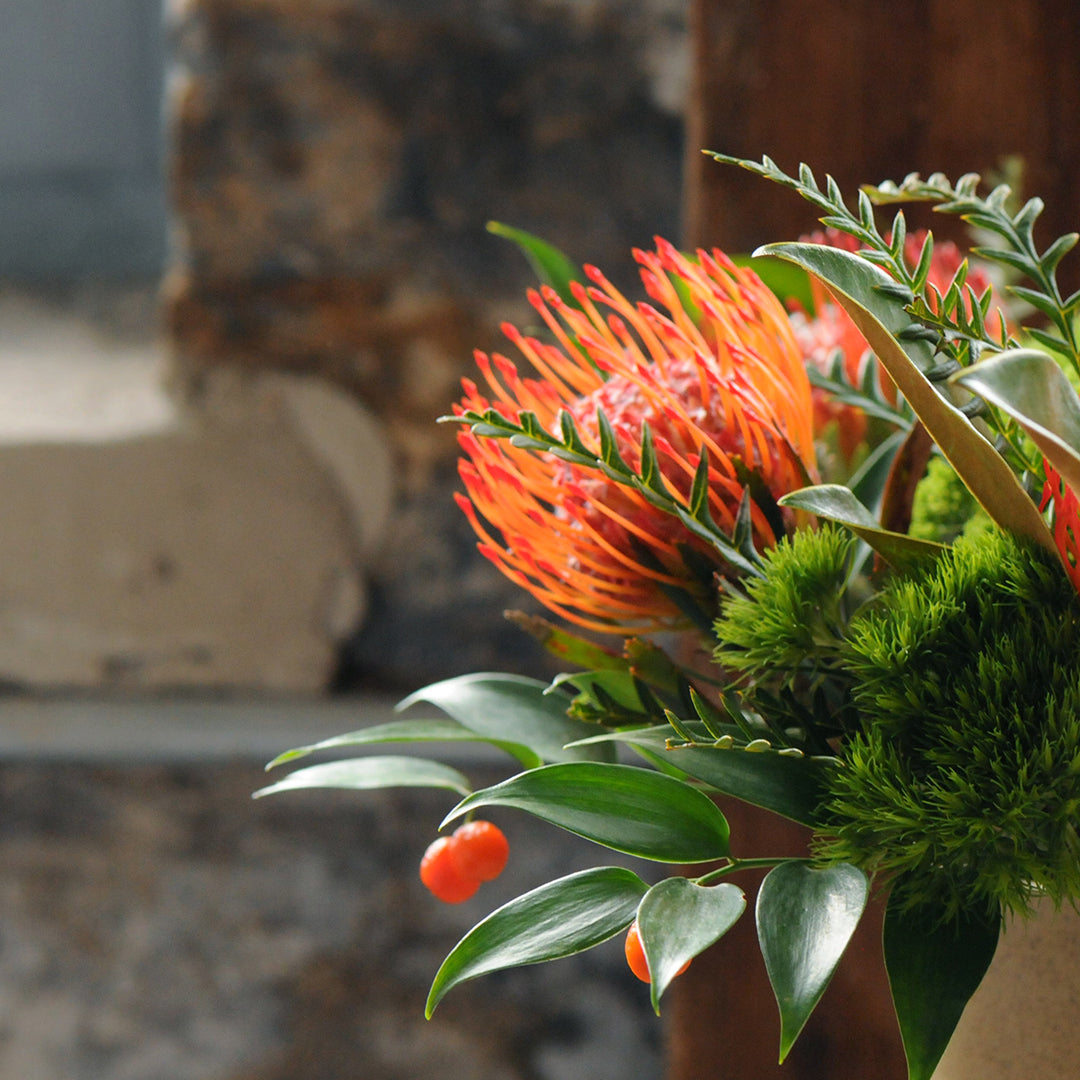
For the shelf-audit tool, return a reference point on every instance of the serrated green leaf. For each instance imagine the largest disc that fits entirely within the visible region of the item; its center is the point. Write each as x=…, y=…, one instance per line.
x=511, y=708
x=1027, y=385
x=558, y=919
x=834, y=502
x=933, y=968
x=369, y=773
x=635, y=811
x=1057, y=251
x=549, y=264
x=1014, y=259
x=851, y=280
x=678, y=919
x=407, y=731
x=805, y=919
x=1040, y=301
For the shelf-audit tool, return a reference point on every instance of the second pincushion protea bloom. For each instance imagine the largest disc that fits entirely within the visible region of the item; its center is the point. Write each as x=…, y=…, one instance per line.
x=711, y=364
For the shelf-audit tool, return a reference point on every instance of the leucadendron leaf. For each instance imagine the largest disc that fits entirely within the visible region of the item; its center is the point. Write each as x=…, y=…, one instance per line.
x=407, y=731
x=834, y=502
x=365, y=774
x=678, y=919
x=632, y=810
x=1028, y=385
x=863, y=291
x=805, y=919
x=933, y=968
x=558, y=919
x=512, y=708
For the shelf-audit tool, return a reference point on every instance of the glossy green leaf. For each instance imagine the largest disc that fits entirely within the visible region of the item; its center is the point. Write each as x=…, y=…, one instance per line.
x=628, y=809
x=678, y=919
x=407, y=731
x=805, y=919
x=363, y=774
x=549, y=264
x=834, y=502
x=511, y=708
x=854, y=283
x=788, y=786
x=934, y=968
x=558, y=919
x=1030, y=387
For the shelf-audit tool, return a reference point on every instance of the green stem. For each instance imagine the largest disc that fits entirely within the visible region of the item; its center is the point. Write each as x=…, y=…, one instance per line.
x=734, y=865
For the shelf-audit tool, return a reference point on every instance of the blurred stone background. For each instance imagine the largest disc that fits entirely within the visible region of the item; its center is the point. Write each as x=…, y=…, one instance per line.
x=335, y=165
x=243, y=266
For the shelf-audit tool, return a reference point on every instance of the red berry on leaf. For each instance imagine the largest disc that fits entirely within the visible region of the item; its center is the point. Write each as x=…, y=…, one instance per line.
x=439, y=873
x=635, y=955
x=479, y=850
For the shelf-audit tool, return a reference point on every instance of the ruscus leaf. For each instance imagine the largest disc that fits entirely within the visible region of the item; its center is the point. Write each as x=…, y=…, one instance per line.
x=678, y=919
x=933, y=969
x=365, y=774
x=558, y=919
x=407, y=731
x=511, y=708
x=805, y=919
x=628, y=809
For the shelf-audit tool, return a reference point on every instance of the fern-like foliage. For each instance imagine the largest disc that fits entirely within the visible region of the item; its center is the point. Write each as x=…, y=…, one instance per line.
x=958, y=322
x=527, y=432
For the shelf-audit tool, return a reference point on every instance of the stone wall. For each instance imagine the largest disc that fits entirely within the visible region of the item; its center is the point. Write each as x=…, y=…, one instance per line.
x=335, y=163
x=159, y=924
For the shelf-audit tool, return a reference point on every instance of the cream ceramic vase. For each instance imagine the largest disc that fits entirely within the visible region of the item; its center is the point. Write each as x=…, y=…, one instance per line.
x=1024, y=1021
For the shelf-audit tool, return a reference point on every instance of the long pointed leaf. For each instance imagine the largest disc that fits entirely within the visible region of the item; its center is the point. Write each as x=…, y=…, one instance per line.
x=549, y=264
x=558, y=919
x=678, y=919
x=805, y=919
x=834, y=502
x=934, y=968
x=1028, y=386
x=788, y=786
x=407, y=731
x=854, y=284
x=511, y=708
x=636, y=811
x=365, y=774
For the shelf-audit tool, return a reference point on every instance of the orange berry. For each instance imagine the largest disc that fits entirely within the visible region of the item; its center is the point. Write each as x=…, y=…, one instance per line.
x=480, y=850
x=635, y=955
x=441, y=876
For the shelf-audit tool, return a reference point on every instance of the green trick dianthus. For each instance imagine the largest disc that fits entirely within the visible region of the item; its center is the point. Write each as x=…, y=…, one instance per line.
x=963, y=780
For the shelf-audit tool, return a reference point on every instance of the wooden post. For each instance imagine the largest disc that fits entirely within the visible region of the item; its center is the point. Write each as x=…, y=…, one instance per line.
x=869, y=91
x=864, y=91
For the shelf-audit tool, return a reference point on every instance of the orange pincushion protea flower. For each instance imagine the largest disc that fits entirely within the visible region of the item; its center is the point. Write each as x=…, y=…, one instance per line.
x=722, y=373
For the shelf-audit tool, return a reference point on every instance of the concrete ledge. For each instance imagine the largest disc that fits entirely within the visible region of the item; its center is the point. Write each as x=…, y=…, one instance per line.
x=154, y=731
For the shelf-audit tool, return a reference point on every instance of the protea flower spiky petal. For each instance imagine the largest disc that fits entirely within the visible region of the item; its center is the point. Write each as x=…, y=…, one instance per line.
x=709, y=366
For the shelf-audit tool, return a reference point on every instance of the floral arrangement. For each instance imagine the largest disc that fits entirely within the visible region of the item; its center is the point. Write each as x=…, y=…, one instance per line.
x=833, y=537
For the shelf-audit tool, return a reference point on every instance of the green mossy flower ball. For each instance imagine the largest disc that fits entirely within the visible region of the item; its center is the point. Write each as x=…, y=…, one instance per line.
x=964, y=779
